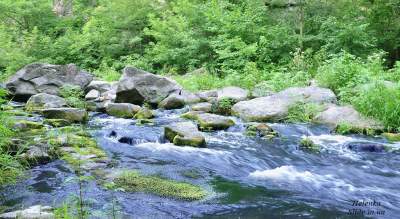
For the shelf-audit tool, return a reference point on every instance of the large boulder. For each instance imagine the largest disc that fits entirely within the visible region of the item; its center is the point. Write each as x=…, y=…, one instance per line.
x=45, y=78
x=34, y=212
x=235, y=93
x=276, y=107
x=173, y=101
x=189, y=97
x=184, y=133
x=101, y=86
x=207, y=95
x=137, y=86
x=122, y=110
x=335, y=116
x=92, y=95
x=69, y=114
x=44, y=101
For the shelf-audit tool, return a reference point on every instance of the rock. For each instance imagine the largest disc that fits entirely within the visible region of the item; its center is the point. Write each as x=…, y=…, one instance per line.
x=184, y=133
x=275, y=107
x=44, y=101
x=208, y=121
x=207, y=95
x=93, y=94
x=101, y=86
x=366, y=147
x=34, y=212
x=223, y=106
x=137, y=86
x=392, y=137
x=37, y=155
x=173, y=101
x=189, y=98
x=126, y=140
x=69, y=114
x=45, y=78
x=235, y=93
x=144, y=113
x=57, y=122
x=335, y=116
x=24, y=125
x=308, y=144
x=122, y=110
x=97, y=105
x=204, y=107
x=260, y=130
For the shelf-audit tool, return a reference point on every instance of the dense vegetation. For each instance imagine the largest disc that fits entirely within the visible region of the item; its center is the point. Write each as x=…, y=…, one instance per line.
x=350, y=46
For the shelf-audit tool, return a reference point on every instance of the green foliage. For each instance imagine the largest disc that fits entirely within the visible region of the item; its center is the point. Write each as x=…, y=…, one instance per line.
x=73, y=95
x=303, y=112
x=132, y=181
x=308, y=144
x=381, y=102
x=223, y=106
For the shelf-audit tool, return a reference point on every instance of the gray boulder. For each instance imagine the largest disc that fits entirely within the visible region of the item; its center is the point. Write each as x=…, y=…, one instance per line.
x=69, y=114
x=101, y=86
x=184, y=133
x=334, y=116
x=34, y=212
x=137, y=86
x=92, y=95
x=275, y=107
x=37, y=155
x=189, y=97
x=173, y=101
x=204, y=107
x=122, y=110
x=45, y=78
x=235, y=93
x=207, y=95
x=43, y=101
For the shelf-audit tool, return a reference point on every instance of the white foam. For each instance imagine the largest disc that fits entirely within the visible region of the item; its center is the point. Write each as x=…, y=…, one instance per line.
x=181, y=149
x=287, y=173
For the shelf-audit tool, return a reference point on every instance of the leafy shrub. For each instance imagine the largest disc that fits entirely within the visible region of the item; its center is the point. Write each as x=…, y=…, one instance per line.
x=223, y=106
x=73, y=95
x=381, y=102
x=303, y=112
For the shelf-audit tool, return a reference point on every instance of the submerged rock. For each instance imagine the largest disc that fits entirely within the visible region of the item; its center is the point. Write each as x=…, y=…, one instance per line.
x=137, y=86
x=69, y=114
x=122, y=110
x=45, y=78
x=34, y=212
x=308, y=144
x=184, y=133
x=173, y=101
x=276, y=107
x=260, y=130
x=346, y=119
x=45, y=101
x=366, y=147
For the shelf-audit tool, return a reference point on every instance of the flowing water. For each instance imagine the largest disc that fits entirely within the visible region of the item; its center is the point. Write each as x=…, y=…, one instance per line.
x=246, y=177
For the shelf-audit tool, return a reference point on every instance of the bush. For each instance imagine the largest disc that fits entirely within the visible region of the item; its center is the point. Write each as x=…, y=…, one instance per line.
x=223, y=106
x=381, y=102
x=73, y=95
x=303, y=112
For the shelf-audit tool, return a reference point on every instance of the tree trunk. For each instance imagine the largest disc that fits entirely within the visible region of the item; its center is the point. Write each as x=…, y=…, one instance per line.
x=62, y=8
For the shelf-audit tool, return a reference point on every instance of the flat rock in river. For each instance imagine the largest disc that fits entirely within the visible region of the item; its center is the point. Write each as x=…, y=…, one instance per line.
x=276, y=107
x=69, y=114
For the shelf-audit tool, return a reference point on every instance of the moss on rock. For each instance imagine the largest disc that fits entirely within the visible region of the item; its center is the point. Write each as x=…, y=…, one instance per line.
x=144, y=113
x=57, y=122
x=133, y=181
x=308, y=144
x=392, y=137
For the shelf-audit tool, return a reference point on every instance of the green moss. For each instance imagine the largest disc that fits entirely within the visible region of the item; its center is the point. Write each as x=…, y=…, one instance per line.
x=209, y=126
x=345, y=129
x=261, y=130
x=144, y=113
x=392, y=137
x=193, y=174
x=192, y=115
x=308, y=144
x=132, y=181
x=223, y=106
x=57, y=122
x=195, y=141
x=144, y=121
x=24, y=125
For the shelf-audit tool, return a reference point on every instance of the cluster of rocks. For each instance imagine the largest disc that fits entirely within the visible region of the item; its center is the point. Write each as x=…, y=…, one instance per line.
x=138, y=91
